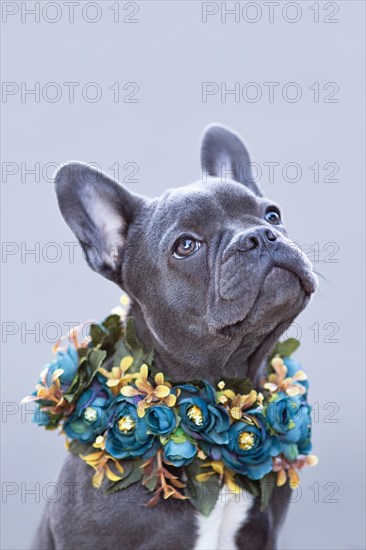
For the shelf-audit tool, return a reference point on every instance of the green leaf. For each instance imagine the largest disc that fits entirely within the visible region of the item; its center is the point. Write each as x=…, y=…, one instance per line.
x=75, y=383
x=54, y=419
x=53, y=424
x=87, y=369
x=178, y=436
x=97, y=334
x=130, y=345
x=120, y=351
x=286, y=348
x=203, y=496
x=149, y=358
x=82, y=353
x=150, y=477
x=69, y=397
x=267, y=484
x=242, y=386
x=113, y=327
x=291, y=451
x=151, y=483
x=95, y=359
x=134, y=475
x=249, y=485
x=107, y=333
x=130, y=336
x=77, y=448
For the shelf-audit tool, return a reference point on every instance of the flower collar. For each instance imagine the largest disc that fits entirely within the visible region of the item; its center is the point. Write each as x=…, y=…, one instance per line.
x=180, y=440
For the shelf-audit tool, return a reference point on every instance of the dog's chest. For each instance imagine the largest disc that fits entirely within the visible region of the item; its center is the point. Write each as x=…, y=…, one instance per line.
x=218, y=530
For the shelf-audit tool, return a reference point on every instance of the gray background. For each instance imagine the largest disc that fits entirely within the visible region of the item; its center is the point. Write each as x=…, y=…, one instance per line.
x=169, y=52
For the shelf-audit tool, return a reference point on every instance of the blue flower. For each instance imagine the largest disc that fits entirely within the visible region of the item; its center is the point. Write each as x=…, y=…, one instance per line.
x=180, y=452
x=68, y=361
x=290, y=418
x=42, y=418
x=251, y=447
x=127, y=433
x=202, y=418
x=305, y=446
x=161, y=420
x=90, y=416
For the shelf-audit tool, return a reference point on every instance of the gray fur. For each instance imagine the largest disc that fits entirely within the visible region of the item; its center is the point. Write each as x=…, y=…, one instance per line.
x=217, y=312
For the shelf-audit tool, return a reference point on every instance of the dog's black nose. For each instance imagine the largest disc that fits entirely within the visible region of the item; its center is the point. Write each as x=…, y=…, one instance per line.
x=256, y=238
x=270, y=235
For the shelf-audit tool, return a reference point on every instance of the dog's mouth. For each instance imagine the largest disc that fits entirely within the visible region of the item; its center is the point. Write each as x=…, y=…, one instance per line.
x=307, y=284
x=307, y=278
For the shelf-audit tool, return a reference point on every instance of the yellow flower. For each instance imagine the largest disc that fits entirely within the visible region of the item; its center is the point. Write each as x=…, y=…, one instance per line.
x=240, y=403
x=229, y=478
x=52, y=393
x=72, y=337
x=99, y=461
x=161, y=393
x=201, y=455
x=286, y=469
x=277, y=381
x=217, y=467
x=99, y=443
x=118, y=376
x=237, y=404
x=122, y=309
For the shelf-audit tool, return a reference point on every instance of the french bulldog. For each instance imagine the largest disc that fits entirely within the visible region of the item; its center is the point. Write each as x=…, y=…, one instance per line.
x=214, y=281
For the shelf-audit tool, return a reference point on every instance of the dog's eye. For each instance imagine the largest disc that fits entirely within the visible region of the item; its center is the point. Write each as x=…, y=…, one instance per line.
x=273, y=217
x=185, y=247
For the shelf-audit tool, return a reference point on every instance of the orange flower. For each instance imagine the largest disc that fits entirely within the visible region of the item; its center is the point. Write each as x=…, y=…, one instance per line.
x=118, y=376
x=236, y=404
x=217, y=467
x=242, y=403
x=286, y=469
x=161, y=393
x=72, y=337
x=277, y=381
x=52, y=393
x=100, y=462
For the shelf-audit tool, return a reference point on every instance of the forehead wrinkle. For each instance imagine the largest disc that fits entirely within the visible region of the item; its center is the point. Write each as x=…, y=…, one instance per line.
x=237, y=200
x=221, y=195
x=187, y=207
x=198, y=206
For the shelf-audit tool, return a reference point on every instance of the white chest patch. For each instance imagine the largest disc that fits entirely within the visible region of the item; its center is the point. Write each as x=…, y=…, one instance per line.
x=218, y=530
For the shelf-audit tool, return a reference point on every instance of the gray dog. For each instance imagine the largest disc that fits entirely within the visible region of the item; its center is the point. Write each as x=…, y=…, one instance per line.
x=214, y=281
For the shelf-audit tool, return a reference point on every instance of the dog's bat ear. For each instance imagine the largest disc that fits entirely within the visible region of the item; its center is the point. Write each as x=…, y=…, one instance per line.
x=99, y=211
x=225, y=156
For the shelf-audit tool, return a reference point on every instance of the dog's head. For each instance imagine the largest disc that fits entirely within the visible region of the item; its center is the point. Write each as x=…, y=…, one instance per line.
x=214, y=279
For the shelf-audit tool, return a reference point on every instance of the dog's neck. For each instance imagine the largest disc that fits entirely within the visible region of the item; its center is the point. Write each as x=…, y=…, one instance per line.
x=247, y=358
